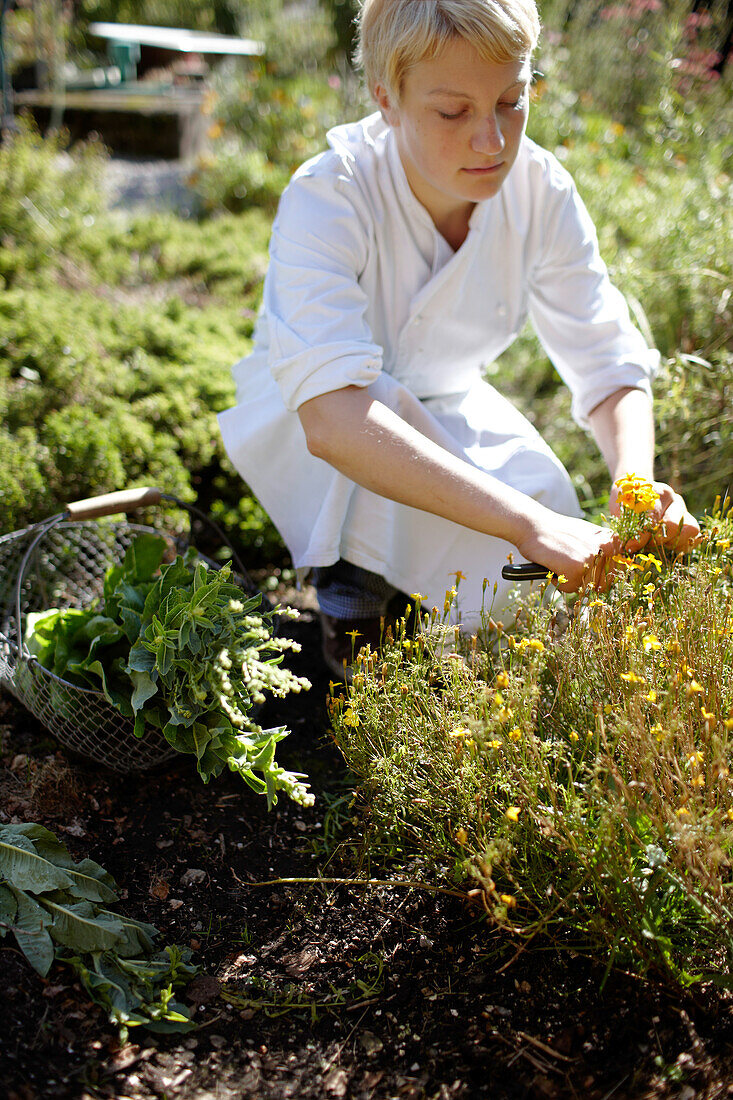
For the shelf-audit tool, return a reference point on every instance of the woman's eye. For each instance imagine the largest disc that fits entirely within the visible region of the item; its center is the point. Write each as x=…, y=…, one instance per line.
x=443, y=114
x=513, y=106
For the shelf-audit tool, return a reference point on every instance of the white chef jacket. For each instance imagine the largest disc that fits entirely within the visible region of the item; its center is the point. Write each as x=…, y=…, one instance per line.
x=363, y=290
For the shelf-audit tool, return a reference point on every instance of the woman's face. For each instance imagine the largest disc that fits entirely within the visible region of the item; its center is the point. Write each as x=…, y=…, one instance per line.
x=458, y=126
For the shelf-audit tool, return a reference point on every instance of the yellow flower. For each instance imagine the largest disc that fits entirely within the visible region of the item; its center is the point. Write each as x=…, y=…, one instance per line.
x=636, y=493
x=707, y=715
x=459, y=731
x=417, y=597
x=561, y=578
x=350, y=718
x=657, y=731
x=693, y=688
x=632, y=678
x=698, y=781
x=353, y=634
x=651, y=697
x=651, y=642
x=498, y=699
x=461, y=836
x=508, y=900
x=574, y=736
x=515, y=734
x=728, y=723
x=651, y=558
x=502, y=680
x=729, y=815
x=496, y=744
x=535, y=643
x=696, y=758
x=628, y=562
x=682, y=812
x=513, y=812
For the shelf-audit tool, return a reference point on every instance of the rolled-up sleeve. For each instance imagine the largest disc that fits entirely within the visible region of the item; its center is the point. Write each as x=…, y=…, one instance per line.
x=581, y=319
x=320, y=339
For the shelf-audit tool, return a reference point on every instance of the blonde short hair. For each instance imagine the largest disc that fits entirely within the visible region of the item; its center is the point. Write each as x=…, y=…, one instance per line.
x=394, y=35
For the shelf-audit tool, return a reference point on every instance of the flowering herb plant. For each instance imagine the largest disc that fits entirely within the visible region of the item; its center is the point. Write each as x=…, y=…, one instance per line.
x=180, y=648
x=570, y=769
x=637, y=499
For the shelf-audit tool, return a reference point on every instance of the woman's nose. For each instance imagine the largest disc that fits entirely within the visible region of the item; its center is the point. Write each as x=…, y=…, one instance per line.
x=487, y=137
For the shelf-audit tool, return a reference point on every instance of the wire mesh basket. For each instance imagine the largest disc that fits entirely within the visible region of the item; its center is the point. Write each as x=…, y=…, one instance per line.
x=61, y=562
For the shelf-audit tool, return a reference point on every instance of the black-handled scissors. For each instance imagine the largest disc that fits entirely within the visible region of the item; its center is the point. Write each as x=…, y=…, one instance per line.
x=527, y=571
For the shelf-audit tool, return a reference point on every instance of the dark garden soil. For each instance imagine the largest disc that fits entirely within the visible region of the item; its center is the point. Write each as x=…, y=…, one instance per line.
x=316, y=991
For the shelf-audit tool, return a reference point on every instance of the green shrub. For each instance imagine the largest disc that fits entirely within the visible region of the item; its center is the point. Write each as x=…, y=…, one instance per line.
x=47, y=199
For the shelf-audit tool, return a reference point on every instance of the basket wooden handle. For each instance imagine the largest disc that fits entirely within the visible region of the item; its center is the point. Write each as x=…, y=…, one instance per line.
x=110, y=504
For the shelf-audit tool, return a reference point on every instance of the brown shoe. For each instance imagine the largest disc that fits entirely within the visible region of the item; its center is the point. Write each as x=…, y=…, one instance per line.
x=342, y=640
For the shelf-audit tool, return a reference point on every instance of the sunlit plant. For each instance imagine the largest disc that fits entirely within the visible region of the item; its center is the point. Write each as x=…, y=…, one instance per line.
x=571, y=768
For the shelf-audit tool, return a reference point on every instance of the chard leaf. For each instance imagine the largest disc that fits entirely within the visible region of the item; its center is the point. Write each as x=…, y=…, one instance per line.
x=138, y=937
x=8, y=909
x=145, y=688
x=116, y=691
x=143, y=557
x=141, y=658
x=131, y=623
x=31, y=931
x=106, y=986
x=98, y=630
x=22, y=866
x=82, y=927
x=86, y=879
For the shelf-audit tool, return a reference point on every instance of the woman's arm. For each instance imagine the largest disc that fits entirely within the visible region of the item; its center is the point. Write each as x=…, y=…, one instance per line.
x=623, y=426
x=377, y=448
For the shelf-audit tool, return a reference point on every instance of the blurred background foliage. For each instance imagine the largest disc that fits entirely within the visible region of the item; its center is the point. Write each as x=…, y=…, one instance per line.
x=118, y=328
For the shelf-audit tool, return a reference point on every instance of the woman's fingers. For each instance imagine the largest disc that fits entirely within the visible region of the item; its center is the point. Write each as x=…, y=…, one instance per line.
x=677, y=527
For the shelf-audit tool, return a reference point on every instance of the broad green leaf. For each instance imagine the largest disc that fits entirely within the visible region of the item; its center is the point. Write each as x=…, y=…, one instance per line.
x=81, y=927
x=88, y=881
x=118, y=695
x=143, y=556
x=31, y=932
x=8, y=908
x=131, y=623
x=25, y=869
x=138, y=937
x=141, y=658
x=145, y=688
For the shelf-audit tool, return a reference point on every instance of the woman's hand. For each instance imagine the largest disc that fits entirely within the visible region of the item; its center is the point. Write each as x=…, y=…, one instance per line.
x=673, y=525
x=580, y=553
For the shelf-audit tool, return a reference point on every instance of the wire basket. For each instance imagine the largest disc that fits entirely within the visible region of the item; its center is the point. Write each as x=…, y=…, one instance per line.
x=61, y=562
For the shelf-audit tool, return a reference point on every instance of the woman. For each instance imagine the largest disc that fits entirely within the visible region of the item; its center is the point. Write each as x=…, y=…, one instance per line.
x=402, y=261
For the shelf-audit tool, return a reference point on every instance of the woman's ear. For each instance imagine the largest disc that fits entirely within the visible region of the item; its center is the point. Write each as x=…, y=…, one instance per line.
x=385, y=101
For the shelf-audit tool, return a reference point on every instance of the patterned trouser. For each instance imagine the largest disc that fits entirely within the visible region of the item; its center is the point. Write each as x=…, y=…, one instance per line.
x=346, y=591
